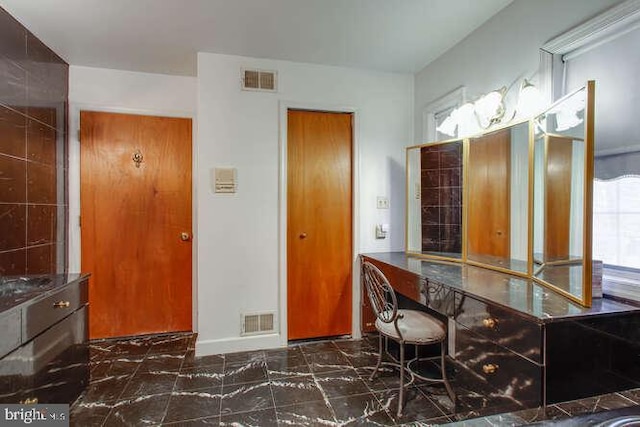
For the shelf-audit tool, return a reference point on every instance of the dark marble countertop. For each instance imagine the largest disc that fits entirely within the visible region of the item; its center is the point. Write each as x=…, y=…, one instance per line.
x=15, y=291
x=512, y=292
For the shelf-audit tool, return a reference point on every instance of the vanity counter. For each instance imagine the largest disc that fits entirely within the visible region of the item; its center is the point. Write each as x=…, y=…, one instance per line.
x=44, y=353
x=526, y=344
x=18, y=290
x=519, y=294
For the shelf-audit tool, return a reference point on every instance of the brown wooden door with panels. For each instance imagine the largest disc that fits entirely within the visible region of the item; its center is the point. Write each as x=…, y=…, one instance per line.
x=319, y=224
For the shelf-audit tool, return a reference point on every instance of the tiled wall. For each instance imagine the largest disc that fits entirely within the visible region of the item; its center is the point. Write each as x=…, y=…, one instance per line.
x=441, y=185
x=33, y=153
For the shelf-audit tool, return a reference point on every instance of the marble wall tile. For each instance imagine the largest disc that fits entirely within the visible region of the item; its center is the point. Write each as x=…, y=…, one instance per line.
x=13, y=134
x=441, y=197
x=42, y=224
x=41, y=259
x=41, y=184
x=13, y=38
x=13, y=262
x=13, y=224
x=33, y=122
x=41, y=143
x=13, y=180
x=13, y=85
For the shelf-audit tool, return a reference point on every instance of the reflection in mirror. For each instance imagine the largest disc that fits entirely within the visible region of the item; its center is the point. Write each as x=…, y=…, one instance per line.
x=434, y=193
x=498, y=186
x=559, y=195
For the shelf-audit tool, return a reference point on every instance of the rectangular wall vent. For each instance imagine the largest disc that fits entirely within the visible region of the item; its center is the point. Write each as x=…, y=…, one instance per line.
x=258, y=323
x=261, y=80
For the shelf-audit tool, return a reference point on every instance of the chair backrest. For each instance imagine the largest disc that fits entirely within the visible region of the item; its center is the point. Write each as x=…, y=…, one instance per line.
x=381, y=294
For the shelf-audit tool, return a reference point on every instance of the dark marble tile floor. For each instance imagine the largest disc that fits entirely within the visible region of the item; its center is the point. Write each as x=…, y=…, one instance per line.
x=157, y=380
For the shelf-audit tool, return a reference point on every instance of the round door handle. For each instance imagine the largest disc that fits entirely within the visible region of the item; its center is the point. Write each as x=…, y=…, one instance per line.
x=303, y=235
x=185, y=236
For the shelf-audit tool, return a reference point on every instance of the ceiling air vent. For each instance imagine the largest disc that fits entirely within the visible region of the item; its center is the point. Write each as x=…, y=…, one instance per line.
x=260, y=80
x=257, y=323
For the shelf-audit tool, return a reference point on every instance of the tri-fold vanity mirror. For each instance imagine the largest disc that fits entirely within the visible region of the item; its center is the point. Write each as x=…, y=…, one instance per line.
x=516, y=199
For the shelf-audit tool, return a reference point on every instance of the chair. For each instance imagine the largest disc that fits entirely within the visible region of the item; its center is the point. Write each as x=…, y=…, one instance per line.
x=411, y=327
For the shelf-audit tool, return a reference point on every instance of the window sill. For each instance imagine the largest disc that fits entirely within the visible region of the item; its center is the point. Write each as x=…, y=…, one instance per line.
x=621, y=283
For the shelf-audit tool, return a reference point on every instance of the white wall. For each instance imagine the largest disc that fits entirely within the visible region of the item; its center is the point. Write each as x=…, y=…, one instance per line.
x=502, y=51
x=99, y=89
x=240, y=262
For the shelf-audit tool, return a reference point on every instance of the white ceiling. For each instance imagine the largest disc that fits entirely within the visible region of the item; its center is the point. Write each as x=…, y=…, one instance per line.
x=163, y=36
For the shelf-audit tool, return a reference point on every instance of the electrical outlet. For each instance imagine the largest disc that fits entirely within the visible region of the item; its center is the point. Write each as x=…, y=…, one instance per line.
x=382, y=202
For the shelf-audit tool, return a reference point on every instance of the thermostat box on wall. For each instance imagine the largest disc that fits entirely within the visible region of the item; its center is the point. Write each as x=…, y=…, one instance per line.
x=224, y=180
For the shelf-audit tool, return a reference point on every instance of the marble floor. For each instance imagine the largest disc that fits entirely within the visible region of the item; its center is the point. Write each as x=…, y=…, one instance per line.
x=157, y=380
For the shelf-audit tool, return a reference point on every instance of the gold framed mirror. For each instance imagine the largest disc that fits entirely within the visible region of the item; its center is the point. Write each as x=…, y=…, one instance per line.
x=516, y=199
x=563, y=194
x=498, y=204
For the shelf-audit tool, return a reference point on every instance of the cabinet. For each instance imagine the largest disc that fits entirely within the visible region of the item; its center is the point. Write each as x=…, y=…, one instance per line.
x=521, y=344
x=49, y=361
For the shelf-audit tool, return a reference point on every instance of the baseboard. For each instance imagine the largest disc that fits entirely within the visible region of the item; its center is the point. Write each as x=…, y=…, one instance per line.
x=231, y=345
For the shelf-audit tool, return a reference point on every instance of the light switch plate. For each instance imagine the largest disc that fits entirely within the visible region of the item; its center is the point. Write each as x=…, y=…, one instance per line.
x=382, y=202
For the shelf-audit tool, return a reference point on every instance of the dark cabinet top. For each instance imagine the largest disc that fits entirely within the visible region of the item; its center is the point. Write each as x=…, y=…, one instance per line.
x=519, y=294
x=23, y=290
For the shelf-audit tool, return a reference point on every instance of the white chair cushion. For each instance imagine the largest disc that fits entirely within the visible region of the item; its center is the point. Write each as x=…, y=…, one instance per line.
x=416, y=327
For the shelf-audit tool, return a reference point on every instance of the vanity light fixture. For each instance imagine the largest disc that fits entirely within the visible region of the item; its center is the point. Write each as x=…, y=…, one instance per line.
x=489, y=108
x=530, y=100
x=473, y=117
x=449, y=125
x=467, y=120
x=567, y=112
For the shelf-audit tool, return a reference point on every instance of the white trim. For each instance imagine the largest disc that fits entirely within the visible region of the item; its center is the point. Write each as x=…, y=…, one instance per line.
x=619, y=150
x=234, y=344
x=74, y=232
x=607, y=26
x=612, y=21
x=284, y=106
x=453, y=99
x=546, y=83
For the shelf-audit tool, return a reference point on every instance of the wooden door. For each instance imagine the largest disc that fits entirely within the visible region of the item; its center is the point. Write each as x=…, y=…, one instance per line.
x=319, y=211
x=132, y=217
x=489, y=214
x=557, y=217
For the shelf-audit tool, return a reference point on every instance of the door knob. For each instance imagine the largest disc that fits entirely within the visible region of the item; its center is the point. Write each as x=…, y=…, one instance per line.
x=303, y=235
x=184, y=236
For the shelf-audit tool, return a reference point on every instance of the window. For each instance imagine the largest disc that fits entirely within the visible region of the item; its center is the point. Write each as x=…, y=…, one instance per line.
x=436, y=112
x=616, y=221
x=604, y=49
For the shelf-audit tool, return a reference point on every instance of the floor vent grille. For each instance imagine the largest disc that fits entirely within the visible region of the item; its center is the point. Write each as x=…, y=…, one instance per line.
x=258, y=323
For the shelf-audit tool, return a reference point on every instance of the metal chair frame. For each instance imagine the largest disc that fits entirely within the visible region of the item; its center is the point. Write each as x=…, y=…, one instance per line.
x=385, y=306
